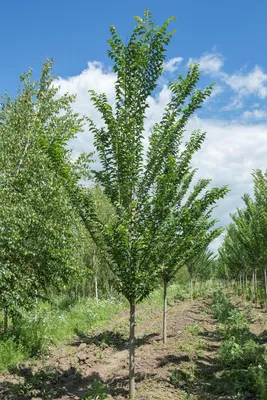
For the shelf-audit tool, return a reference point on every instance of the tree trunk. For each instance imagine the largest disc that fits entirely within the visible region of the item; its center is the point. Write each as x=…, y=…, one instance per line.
x=76, y=292
x=256, y=286
x=191, y=288
x=265, y=286
x=94, y=268
x=96, y=289
x=5, y=320
x=131, y=352
x=253, y=287
x=35, y=306
x=165, y=311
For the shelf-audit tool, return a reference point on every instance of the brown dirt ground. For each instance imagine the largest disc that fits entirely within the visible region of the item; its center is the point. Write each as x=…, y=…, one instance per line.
x=70, y=371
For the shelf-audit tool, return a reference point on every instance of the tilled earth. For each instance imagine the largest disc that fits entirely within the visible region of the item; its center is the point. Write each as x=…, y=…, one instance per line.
x=184, y=368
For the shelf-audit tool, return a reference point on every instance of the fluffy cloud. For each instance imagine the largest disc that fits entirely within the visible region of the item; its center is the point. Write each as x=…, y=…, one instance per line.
x=94, y=77
x=209, y=63
x=255, y=114
x=173, y=64
x=246, y=84
x=229, y=154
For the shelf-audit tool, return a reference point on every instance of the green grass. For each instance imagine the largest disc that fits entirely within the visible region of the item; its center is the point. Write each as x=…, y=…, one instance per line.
x=29, y=337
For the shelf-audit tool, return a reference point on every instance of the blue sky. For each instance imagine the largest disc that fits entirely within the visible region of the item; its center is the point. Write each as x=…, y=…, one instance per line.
x=226, y=38
x=72, y=32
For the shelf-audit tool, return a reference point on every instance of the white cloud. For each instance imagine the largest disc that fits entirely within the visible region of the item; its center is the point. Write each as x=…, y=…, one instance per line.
x=246, y=84
x=229, y=154
x=173, y=64
x=255, y=114
x=216, y=91
x=235, y=103
x=94, y=77
x=209, y=63
x=253, y=82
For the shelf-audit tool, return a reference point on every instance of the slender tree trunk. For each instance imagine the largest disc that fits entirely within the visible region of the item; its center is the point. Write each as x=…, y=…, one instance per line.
x=191, y=288
x=256, y=286
x=165, y=311
x=94, y=268
x=5, y=320
x=265, y=286
x=76, y=292
x=132, y=352
x=35, y=306
x=253, y=287
x=96, y=289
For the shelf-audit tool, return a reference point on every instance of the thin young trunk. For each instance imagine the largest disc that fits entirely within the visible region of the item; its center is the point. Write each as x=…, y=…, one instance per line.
x=35, y=306
x=191, y=288
x=256, y=286
x=265, y=286
x=132, y=352
x=253, y=287
x=96, y=289
x=165, y=312
x=94, y=268
x=5, y=320
x=76, y=292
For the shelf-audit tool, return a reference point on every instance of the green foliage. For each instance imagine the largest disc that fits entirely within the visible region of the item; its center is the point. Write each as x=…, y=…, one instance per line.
x=243, y=359
x=40, y=234
x=234, y=354
x=257, y=376
x=98, y=391
x=236, y=325
x=181, y=294
x=194, y=329
x=221, y=306
x=243, y=253
x=29, y=336
x=10, y=353
x=156, y=220
x=201, y=265
x=180, y=378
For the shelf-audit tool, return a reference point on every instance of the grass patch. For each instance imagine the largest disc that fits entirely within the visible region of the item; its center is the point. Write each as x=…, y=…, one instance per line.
x=30, y=337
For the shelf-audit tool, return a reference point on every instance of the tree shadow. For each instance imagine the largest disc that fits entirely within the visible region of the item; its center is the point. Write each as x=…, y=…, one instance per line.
x=118, y=386
x=51, y=383
x=171, y=359
x=262, y=337
x=48, y=383
x=115, y=340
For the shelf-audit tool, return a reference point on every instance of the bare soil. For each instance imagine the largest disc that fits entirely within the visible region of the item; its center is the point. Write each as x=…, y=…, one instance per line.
x=184, y=368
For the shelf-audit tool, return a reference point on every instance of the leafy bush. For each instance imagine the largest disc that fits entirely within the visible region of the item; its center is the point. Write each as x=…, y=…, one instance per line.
x=194, y=329
x=257, y=376
x=221, y=306
x=98, y=391
x=180, y=378
x=236, y=326
x=230, y=353
x=181, y=294
x=236, y=355
x=10, y=353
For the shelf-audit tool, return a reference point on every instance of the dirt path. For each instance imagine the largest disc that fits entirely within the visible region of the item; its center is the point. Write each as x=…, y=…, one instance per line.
x=88, y=365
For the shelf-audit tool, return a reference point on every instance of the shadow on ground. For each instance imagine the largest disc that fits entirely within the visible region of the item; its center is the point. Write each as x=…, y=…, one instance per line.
x=114, y=339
